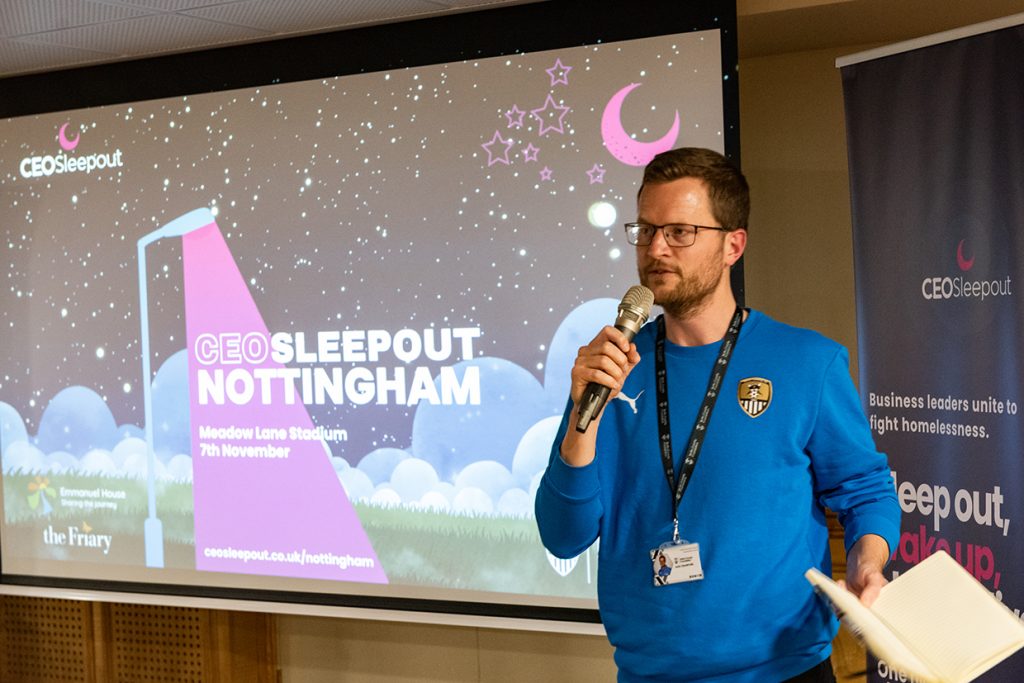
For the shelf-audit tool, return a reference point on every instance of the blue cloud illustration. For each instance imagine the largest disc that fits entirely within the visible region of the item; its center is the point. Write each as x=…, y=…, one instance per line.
x=515, y=503
x=578, y=328
x=172, y=432
x=98, y=462
x=450, y=437
x=357, y=485
x=180, y=468
x=379, y=464
x=23, y=457
x=126, y=448
x=130, y=431
x=413, y=478
x=473, y=501
x=534, y=450
x=12, y=427
x=490, y=477
x=77, y=421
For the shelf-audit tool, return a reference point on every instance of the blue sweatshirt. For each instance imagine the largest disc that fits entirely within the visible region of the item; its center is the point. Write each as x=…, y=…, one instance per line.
x=755, y=505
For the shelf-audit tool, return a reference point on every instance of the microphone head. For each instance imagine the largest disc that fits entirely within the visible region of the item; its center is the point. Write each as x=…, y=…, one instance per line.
x=640, y=299
x=635, y=308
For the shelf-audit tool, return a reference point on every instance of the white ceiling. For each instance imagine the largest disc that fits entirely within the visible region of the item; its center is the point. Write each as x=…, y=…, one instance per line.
x=44, y=35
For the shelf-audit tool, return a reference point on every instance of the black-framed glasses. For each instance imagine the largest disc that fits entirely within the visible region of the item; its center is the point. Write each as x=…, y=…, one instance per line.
x=676, y=234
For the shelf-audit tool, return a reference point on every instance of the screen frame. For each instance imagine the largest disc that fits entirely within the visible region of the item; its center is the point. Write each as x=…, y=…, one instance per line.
x=481, y=34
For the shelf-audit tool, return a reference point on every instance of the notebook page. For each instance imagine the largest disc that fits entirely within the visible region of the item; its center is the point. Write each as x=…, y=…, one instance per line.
x=869, y=629
x=949, y=619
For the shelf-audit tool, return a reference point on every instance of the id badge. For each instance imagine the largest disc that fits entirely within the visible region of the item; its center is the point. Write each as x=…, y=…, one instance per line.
x=676, y=563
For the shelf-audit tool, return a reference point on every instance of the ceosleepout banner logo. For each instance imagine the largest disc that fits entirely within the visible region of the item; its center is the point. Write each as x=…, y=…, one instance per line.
x=966, y=285
x=66, y=161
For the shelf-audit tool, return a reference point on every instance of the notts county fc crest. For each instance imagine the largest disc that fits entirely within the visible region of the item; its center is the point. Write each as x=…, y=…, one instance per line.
x=755, y=395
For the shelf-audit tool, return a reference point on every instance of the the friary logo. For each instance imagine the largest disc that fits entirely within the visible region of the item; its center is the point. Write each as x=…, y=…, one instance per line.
x=755, y=395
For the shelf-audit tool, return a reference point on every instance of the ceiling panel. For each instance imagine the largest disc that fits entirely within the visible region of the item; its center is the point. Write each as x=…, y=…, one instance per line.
x=25, y=17
x=153, y=34
x=42, y=35
x=312, y=15
x=172, y=5
x=22, y=56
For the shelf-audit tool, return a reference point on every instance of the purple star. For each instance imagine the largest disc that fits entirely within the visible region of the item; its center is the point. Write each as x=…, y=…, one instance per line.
x=596, y=174
x=559, y=73
x=530, y=153
x=515, y=117
x=492, y=157
x=550, y=108
x=545, y=173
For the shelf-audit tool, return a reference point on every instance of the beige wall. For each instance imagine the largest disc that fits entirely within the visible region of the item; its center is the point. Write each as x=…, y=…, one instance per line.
x=325, y=650
x=799, y=269
x=799, y=265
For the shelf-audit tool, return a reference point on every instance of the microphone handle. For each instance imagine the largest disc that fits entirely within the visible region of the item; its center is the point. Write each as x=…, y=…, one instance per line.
x=596, y=395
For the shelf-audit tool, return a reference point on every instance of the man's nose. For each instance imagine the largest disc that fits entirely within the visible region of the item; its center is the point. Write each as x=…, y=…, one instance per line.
x=658, y=245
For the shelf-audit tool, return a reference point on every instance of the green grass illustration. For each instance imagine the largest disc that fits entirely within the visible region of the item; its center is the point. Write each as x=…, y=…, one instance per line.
x=415, y=547
x=503, y=554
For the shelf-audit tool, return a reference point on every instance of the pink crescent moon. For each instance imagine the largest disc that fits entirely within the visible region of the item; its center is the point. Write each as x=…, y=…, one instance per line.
x=65, y=144
x=964, y=263
x=620, y=145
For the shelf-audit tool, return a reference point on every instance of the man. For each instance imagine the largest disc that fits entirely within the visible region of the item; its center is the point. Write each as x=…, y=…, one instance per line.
x=773, y=432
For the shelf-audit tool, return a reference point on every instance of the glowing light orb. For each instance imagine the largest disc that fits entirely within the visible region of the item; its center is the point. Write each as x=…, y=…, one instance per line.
x=602, y=214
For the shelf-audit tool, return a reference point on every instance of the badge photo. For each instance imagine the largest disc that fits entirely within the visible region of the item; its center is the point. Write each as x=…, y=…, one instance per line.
x=676, y=563
x=755, y=395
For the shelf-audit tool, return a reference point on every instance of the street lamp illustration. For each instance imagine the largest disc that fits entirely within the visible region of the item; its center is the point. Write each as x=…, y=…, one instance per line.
x=179, y=227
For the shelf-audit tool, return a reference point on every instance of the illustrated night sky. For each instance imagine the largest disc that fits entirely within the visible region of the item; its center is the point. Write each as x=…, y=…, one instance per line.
x=476, y=194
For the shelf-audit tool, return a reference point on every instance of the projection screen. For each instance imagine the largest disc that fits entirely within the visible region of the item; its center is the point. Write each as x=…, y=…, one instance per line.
x=310, y=338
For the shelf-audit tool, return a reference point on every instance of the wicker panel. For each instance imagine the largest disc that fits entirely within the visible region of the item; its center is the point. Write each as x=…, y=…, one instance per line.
x=45, y=640
x=66, y=641
x=152, y=644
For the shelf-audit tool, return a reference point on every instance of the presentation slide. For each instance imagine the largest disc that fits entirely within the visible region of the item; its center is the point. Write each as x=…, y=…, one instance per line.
x=316, y=336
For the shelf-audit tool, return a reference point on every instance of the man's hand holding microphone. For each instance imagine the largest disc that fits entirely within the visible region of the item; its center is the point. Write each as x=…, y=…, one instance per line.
x=600, y=369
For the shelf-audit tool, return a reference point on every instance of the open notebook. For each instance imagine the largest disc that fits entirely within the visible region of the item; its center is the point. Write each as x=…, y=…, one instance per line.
x=935, y=622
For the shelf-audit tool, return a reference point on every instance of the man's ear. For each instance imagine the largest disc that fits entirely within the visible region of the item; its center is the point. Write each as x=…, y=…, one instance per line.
x=735, y=245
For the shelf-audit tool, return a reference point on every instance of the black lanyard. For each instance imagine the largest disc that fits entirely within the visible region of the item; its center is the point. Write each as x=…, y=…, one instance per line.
x=678, y=486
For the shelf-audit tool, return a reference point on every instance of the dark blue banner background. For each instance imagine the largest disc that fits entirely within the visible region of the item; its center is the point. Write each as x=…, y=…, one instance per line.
x=936, y=147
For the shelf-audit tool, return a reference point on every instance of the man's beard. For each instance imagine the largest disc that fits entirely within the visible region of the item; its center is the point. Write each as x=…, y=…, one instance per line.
x=692, y=293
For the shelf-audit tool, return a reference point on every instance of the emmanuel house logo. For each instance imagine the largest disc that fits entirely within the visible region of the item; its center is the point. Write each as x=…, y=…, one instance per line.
x=39, y=494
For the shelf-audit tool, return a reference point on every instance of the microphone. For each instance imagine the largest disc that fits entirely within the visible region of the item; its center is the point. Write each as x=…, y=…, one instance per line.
x=633, y=312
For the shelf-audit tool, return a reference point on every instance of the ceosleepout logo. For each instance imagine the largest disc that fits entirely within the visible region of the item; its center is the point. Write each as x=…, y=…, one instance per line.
x=45, y=165
x=965, y=285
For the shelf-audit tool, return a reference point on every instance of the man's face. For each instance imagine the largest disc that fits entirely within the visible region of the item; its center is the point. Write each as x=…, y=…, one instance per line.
x=683, y=279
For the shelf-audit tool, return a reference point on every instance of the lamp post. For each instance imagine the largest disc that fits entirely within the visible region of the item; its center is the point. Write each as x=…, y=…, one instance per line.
x=153, y=530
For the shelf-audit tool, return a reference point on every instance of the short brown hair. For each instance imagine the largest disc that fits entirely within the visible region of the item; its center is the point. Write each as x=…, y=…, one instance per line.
x=727, y=188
